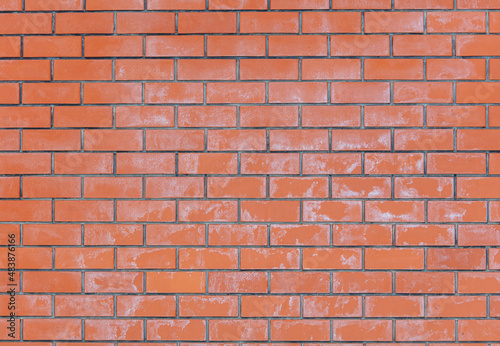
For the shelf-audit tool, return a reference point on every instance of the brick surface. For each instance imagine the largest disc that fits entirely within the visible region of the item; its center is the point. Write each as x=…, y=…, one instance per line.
x=249, y=172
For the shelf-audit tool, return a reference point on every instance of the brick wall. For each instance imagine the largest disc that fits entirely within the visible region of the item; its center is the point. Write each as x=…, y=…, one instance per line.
x=250, y=171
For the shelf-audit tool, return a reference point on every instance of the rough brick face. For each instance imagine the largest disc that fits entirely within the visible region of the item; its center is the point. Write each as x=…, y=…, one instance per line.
x=250, y=172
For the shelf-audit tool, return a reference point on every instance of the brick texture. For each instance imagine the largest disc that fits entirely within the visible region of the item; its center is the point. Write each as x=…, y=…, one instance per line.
x=249, y=172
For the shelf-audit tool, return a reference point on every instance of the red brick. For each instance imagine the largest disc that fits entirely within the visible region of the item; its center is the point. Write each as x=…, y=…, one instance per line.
x=270, y=211
x=456, y=116
x=257, y=69
x=299, y=4
x=332, y=306
x=57, y=140
x=11, y=70
x=289, y=45
x=395, y=306
x=456, y=69
x=176, y=5
x=352, y=330
x=148, y=211
x=83, y=116
x=84, y=23
x=387, y=22
x=52, y=329
x=270, y=22
x=114, y=329
x=422, y=45
x=292, y=92
x=108, y=46
x=425, y=330
x=113, y=282
x=84, y=210
x=237, y=4
x=178, y=329
x=269, y=116
x=332, y=211
x=212, y=306
x=457, y=211
x=75, y=70
x=203, y=211
x=237, y=282
x=112, y=140
x=83, y=163
x=236, y=45
x=178, y=282
x=362, y=282
x=275, y=306
x=423, y=92
x=289, y=330
x=419, y=235
x=331, y=22
x=356, y=92
x=456, y=306
x=356, y=235
x=365, y=140
x=68, y=46
x=170, y=46
x=236, y=187
x=431, y=282
x=145, y=306
x=249, y=92
x=137, y=258
x=300, y=282
x=237, y=235
x=150, y=23
x=46, y=93
x=206, y=23
x=52, y=187
x=356, y=45
x=394, y=69
x=173, y=92
x=25, y=23
x=114, y=5
x=238, y=330
x=456, y=22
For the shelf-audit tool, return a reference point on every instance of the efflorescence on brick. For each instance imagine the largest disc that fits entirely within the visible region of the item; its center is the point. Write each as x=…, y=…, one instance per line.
x=250, y=171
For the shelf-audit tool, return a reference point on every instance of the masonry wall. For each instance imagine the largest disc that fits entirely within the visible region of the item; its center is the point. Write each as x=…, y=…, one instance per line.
x=250, y=171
